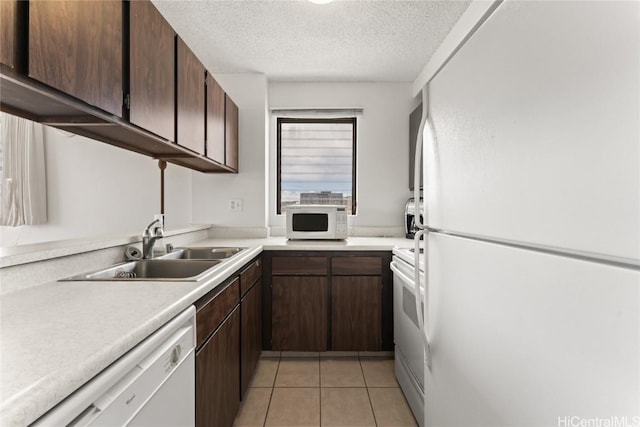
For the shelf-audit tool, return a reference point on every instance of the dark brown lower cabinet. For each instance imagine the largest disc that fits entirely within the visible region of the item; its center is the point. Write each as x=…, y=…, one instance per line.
x=217, y=369
x=299, y=306
x=356, y=303
x=251, y=334
x=327, y=300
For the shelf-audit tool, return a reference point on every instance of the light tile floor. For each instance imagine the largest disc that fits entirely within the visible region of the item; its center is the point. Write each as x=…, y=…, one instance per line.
x=324, y=390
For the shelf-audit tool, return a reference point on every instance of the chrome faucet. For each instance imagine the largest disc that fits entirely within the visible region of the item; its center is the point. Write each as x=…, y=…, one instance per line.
x=149, y=238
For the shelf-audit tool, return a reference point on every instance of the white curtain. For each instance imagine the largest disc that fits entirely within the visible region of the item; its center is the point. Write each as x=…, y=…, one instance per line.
x=23, y=187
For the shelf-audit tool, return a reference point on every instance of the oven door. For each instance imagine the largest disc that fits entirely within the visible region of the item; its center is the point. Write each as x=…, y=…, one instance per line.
x=406, y=331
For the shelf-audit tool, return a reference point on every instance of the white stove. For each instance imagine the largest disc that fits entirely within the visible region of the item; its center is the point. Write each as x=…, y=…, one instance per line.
x=409, y=350
x=407, y=255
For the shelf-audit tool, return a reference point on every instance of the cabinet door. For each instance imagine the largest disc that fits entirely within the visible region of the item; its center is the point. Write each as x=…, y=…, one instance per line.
x=356, y=314
x=8, y=26
x=299, y=313
x=215, y=121
x=218, y=376
x=191, y=118
x=76, y=47
x=152, y=70
x=231, y=133
x=250, y=334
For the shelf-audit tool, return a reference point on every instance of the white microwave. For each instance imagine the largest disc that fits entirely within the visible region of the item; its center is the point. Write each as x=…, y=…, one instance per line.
x=328, y=222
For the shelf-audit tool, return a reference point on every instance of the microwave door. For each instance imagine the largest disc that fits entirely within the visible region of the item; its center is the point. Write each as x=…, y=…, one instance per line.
x=310, y=222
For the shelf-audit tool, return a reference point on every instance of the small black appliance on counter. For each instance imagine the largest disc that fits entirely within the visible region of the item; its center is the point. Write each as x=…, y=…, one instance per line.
x=409, y=218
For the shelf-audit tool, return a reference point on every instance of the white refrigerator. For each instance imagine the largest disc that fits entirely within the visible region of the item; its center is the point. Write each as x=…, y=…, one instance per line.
x=532, y=201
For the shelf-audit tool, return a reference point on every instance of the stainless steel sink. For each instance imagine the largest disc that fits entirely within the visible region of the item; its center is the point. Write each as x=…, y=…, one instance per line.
x=151, y=270
x=203, y=253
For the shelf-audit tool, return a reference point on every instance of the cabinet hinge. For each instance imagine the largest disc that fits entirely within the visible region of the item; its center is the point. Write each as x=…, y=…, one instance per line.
x=127, y=101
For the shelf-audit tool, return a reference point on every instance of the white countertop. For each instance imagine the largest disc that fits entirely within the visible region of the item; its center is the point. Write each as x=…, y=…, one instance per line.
x=57, y=336
x=281, y=243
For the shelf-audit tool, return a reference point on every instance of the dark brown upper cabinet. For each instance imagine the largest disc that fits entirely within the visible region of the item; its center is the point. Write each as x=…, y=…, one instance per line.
x=76, y=47
x=76, y=65
x=231, y=134
x=190, y=113
x=215, y=120
x=152, y=70
x=9, y=11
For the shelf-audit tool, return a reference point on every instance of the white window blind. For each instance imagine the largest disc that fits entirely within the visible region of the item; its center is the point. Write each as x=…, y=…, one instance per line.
x=317, y=113
x=316, y=162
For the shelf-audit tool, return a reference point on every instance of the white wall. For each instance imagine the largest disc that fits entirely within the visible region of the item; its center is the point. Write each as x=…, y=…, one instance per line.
x=382, y=144
x=94, y=189
x=212, y=192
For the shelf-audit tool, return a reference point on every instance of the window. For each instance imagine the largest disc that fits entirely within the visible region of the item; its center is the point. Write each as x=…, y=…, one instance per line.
x=316, y=162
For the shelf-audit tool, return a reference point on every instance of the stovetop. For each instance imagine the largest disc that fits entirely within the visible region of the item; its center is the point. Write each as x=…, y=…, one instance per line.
x=407, y=255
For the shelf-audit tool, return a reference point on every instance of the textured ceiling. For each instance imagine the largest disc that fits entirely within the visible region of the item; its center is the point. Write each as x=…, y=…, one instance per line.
x=358, y=40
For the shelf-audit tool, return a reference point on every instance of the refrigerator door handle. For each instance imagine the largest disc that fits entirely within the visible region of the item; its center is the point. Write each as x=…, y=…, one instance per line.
x=417, y=166
x=423, y=315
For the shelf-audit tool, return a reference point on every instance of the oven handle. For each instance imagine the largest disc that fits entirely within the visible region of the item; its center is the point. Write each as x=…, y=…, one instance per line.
x=401, y=274
x=423, y=315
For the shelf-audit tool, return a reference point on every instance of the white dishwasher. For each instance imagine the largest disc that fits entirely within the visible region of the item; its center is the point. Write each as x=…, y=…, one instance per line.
x=151, y=385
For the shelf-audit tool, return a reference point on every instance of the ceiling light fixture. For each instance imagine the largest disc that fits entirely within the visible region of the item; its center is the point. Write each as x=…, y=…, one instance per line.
x=320, y=1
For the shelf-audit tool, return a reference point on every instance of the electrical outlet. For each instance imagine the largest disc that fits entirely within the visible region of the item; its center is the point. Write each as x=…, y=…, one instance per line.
x=235, y=205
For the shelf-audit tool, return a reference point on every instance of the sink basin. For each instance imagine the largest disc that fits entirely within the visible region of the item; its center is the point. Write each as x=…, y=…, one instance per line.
x=204, y=253
x=151, y=270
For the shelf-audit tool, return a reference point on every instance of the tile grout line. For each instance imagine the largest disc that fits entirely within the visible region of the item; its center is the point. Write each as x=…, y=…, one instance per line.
x=320, y=390
x=367, y=388
x=273, y=385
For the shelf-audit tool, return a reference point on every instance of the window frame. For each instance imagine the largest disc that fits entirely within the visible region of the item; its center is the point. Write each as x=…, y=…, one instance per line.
x=349, y=120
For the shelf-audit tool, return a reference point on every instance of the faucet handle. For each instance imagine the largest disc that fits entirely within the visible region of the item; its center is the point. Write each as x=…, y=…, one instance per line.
x=147, y=231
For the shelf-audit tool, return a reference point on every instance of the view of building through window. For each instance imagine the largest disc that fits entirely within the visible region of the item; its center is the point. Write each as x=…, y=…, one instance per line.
x=316, y=159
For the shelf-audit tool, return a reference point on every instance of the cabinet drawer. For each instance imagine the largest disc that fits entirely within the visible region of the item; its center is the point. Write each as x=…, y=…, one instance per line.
x=249, y=276
x=211, y=313
x=356, y=266
x=299, y=266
